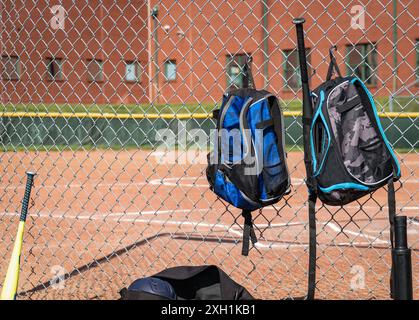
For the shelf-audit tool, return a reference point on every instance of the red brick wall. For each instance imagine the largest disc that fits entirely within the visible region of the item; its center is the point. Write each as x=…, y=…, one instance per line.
x=200, y=36
x=91, y=31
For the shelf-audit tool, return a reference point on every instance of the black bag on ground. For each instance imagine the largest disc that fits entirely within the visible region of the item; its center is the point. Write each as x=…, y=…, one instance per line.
x=189, y=283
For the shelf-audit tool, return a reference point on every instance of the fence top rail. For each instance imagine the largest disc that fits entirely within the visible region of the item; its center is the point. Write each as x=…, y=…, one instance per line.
x=392, y=115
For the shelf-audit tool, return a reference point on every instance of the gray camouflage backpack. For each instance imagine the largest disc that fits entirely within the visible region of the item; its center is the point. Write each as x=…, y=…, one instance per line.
x=349, y=152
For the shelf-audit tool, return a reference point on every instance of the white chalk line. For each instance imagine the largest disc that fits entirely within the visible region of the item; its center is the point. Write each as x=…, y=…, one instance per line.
x=361, y=234
x=179, y=181
x=208, y=226
x=79, y=185
x=412, y=228
x=199, y=156
x=156, y=212
x=410, y=231
x=174, y=182
x=167, y=182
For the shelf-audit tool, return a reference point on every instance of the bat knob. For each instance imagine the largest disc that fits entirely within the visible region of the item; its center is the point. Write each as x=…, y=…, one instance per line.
x=300, y=20
x=30, y=173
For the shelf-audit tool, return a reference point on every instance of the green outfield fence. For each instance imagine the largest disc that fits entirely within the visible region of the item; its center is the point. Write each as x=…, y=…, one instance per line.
x=137, y=130
x=91, y=90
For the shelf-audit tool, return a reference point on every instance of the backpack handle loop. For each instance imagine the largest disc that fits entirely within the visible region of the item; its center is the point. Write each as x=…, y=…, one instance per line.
x=248, y=81
x=333, y=64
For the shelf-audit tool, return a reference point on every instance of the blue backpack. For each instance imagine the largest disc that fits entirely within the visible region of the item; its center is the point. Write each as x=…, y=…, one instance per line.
x=247, y=167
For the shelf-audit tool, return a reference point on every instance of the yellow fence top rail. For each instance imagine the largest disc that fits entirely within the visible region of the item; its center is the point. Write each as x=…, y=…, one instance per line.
x=161, y=115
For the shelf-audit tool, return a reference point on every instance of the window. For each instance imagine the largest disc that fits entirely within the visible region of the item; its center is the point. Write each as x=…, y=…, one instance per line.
x=235, y=70
x=11, y=67
x=170, y=70
x=94, y=70
x=291, y=66
x=361, y=60
x=54, y=69
x=132, y=71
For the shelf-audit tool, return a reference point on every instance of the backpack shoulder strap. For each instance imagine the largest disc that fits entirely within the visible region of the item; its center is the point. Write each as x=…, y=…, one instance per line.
x=391, y=215
x=333, y=64
x=248, y=232
x=312, y=246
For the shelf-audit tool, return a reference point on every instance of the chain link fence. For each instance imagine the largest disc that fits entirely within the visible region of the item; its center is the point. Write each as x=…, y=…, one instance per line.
x=110, y=103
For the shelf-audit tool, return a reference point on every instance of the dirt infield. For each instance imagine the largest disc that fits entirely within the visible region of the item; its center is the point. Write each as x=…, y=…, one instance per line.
x=104, y=218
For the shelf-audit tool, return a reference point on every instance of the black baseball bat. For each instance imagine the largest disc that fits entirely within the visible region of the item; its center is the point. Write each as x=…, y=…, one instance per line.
x=307, y=116
x=402, y=261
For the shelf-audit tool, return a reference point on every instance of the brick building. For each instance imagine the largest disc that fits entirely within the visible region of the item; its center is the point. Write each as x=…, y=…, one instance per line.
x=105, y=52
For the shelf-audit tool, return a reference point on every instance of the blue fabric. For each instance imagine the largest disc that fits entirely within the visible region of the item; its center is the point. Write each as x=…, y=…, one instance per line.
x=231, y=193
x=265, y=147
x=231, y=136
x=390, y=149
x=313, y=154
x=346, y=185
x=257, y=113
x=262, y=188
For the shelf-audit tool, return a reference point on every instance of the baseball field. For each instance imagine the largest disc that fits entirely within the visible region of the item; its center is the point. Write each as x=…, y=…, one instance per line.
x=100, y=219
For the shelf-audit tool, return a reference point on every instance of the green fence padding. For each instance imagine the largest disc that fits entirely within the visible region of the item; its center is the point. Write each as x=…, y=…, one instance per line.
x=29, y=131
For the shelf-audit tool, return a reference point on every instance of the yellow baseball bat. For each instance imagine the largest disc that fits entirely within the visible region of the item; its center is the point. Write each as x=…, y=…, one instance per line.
x=12, y=276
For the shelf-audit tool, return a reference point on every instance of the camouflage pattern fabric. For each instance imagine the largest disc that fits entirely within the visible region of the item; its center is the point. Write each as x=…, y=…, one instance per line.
x=361, y=148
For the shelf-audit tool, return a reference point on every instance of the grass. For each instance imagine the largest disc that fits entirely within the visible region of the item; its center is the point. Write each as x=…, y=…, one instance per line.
x=109, y=108
x=289, y=105
x=400, y=104
x=73, y=147
x=406, y=104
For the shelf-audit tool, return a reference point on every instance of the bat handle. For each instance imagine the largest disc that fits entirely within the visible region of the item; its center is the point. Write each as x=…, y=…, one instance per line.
x=26, y=197
x=301, y=48
x=307, y=105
